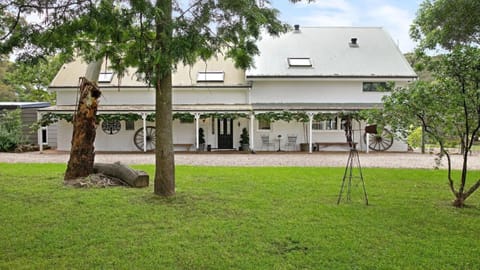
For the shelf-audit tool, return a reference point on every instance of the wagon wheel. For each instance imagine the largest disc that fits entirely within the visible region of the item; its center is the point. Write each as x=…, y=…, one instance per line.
x=138, y=138
x=379, y=142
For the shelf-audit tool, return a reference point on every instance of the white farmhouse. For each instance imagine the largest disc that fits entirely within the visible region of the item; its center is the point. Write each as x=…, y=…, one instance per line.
x=302, y=84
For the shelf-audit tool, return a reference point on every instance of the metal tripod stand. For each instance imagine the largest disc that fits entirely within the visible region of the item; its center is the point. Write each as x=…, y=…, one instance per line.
x=352, y=162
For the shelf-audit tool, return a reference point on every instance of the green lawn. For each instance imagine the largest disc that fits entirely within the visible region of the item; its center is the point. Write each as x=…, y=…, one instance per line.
x=236, y=218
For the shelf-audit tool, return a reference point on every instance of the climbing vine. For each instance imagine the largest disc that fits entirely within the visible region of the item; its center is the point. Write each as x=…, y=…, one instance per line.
x=287, y=116
x=303, y=116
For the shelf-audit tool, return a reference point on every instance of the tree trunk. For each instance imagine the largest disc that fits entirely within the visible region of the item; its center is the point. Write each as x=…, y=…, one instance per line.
x=118, y=170
x=459, y=201
x=164, y=183
x=82, y=152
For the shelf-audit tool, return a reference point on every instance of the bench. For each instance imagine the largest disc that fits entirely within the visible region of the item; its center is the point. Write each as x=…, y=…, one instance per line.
x=185, y=145
x=321, y=145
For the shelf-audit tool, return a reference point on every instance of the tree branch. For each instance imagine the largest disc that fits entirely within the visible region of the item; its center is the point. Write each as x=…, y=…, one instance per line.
x=472, y=189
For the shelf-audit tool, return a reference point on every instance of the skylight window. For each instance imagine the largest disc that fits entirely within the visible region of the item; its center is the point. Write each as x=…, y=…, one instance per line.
x=105, y=77
x=299, y=62
x=211, y=76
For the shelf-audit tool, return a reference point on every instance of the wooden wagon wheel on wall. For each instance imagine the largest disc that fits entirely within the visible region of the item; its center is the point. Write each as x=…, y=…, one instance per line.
x=378, y=140
x=138, y=138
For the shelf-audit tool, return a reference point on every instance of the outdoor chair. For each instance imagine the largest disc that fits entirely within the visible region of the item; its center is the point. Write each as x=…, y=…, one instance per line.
x=266, y=142
x=291, y=142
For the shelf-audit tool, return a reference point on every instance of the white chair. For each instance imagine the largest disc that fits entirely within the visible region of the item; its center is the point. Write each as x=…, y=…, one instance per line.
x=291, y=142
x=266, y=142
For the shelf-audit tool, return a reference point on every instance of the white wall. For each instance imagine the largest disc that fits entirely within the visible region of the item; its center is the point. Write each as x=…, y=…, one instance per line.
x=210, y=96
x=147, y=97
x=301, y=131
x=314, y=92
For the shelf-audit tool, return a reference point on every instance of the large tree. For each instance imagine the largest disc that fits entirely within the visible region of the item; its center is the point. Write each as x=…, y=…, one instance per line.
x=448, y=108
x=30, y=80
x=447, y=23
x=6, y=91
x=152, y=36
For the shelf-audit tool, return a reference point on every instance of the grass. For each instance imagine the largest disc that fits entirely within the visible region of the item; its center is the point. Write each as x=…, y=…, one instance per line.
x=236, y=218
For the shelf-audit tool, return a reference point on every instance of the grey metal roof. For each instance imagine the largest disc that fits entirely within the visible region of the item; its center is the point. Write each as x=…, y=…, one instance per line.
x=331, y=54
x=13, y=105
x=151, y=108
x=224, y=107
x=314, y=106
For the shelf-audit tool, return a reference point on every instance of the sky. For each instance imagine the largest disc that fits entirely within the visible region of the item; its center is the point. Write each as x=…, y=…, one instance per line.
x=395, y=16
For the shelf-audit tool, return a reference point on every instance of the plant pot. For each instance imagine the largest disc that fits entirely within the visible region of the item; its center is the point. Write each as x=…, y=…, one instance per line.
x=245, y=147
x=304, y=147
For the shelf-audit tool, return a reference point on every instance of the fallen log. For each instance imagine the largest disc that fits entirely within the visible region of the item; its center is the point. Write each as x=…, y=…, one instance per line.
x=121, y=171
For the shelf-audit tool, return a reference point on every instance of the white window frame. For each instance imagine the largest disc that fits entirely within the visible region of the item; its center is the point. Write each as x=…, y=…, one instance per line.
x=105, y=77
x=211, y=76
x=377, y=87
x=322, y=125
x=264, y=129
x=299, y=62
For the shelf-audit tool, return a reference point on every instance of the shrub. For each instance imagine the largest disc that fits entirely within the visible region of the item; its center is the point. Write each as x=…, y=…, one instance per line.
x=10, y=130
x=414, y=139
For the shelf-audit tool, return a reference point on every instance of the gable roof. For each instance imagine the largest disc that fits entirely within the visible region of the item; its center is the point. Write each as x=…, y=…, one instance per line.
x=183, y=77
x=332, y=55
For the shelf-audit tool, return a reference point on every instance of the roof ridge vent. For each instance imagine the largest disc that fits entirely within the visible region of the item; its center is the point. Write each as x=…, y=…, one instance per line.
x=353, y=42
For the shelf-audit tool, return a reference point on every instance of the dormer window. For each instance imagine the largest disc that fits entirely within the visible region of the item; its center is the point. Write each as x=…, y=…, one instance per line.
x=105, y=77
x=211, y=76
x=299, y=62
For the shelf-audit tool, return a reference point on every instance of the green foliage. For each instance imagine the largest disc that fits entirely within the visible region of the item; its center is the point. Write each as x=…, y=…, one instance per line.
x=414, y=139
x=447, y=23
x=244, y=138
x=10, y=130
x=303, y=116
x=201, y=136
x=30, y=80
x=151, y=35
x=184, y=117
x=447, y=108
x=224, y=115
x=235, y=218
x=6, y=91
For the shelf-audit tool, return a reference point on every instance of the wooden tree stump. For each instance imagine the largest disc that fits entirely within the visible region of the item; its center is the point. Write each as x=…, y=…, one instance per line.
x=82, y=153
x=118, y=170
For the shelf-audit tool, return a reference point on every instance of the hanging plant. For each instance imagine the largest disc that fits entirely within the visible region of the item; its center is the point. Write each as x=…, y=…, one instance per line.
x=224, y=115
x=301, y=117
x=184, y=117
x=50, y=118
x=151, y=117
x=119, y=117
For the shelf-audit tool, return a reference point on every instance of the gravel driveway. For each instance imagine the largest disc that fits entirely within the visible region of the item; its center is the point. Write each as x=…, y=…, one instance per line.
x=319, y=159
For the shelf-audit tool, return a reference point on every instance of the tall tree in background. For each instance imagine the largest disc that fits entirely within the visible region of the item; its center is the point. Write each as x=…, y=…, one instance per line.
x=152, y=36
x=447, y=23
x=6, y=91
x=30, y=81
x=448, y=107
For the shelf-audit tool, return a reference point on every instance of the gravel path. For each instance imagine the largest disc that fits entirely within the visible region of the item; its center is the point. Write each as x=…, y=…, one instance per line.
x=322, y=159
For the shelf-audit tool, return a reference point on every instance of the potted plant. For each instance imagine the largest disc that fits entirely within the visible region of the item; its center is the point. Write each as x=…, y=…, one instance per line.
x=201, y=140
x=244, y=140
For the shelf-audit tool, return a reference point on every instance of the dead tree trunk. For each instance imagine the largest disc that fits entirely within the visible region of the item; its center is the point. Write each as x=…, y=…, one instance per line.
x=82, y=152
x=128, y=175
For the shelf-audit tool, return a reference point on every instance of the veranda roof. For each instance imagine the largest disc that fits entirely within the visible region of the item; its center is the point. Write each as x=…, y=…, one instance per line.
x=151, y=108
x=123, y=109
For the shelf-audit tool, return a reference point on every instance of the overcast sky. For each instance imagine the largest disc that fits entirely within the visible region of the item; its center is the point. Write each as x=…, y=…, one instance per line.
x=395, y=16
